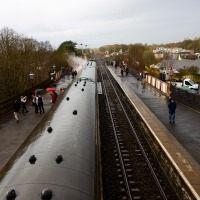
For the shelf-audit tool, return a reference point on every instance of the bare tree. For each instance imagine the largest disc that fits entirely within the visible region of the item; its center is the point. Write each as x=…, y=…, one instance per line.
x=19, y=56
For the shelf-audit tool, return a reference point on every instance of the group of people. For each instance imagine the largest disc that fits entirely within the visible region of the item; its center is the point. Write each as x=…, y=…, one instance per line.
x=37, y=102
x=124, y=68
x=17, y=105
x=74, y=73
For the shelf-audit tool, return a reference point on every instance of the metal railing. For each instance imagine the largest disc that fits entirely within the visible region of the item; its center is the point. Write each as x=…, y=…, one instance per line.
x=190, y=98
x=186, y=97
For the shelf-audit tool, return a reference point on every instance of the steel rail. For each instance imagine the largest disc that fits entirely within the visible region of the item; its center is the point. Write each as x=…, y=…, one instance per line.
x=138, y=140
x=117, y=143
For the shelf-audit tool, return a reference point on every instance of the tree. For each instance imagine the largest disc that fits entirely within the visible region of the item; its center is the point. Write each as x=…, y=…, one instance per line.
x=67, y=46
x=19, y=56
x=194, y=45
x=148, y=58
x=186, y=43
x=65, y=50
x=136, y=52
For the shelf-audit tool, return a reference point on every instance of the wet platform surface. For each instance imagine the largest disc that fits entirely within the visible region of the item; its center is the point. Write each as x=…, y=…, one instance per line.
x=187, y=124
x=13, y=134
x=186, y=130
x=179, y=141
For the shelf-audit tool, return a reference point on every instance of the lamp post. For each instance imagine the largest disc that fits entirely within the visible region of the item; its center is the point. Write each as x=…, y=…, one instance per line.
x=53, y=75
x=137, y=67
x=31, y=76
x=81, y=48
x=170, y=74
x=170, y=81
x=86, y=48
x=54, y=68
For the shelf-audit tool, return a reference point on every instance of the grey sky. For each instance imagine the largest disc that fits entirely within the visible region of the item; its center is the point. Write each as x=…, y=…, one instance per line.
x=102, y=22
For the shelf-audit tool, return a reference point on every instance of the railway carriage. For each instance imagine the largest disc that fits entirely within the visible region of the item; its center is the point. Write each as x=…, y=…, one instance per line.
x=57, y=161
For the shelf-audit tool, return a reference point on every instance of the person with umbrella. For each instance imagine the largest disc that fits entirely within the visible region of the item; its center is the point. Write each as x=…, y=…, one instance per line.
x=50, y=89
x=54, y=96
x=35, y=98
x=40, y=103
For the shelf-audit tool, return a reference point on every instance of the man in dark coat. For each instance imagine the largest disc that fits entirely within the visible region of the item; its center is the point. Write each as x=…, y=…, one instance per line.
x=16, y=107
x=172, y=108
x=40, y=104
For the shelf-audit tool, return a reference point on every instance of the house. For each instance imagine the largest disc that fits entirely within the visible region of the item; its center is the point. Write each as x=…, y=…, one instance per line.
x=184, y=53
x=179, y=64
x=159, y=54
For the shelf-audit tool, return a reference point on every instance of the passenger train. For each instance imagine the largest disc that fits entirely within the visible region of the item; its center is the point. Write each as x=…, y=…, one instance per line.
x=57, y=161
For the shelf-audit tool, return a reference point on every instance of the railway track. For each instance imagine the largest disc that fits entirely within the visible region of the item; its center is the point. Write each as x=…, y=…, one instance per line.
x=130, y=169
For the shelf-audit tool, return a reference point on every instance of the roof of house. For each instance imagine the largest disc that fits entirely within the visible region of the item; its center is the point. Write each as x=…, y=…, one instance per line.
x=180, y=64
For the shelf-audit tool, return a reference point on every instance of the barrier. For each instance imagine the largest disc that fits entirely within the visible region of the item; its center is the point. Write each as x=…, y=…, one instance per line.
x=186, y=97
x=163, y=87
x=160, y=85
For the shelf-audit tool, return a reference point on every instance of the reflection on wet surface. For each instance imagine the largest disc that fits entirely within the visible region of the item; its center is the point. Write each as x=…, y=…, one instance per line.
x=187, y=126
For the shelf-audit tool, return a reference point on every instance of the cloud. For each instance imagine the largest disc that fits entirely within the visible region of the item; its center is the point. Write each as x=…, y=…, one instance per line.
x=102, y=22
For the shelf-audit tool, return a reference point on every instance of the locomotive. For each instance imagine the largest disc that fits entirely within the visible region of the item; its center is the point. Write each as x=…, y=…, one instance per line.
x=57, y=161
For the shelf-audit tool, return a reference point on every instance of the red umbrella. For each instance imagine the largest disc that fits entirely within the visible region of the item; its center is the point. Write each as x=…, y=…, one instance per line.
x=50, y=89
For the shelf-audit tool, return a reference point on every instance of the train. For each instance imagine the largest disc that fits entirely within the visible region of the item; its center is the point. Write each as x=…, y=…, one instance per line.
x=58, y=160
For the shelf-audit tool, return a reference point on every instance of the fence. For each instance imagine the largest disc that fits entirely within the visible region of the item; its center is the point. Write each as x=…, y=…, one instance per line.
x=189, y=98
x=160, y=85
x=7, y=104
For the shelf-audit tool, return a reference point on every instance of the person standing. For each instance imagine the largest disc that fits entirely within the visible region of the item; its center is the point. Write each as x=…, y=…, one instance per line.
x=126, y=70
x=33, y=99
x=40, y=104
x=16, y=107
x=75, y=73
x=36, y=103
x=54, y=96
x=172, y=109
x=23, y=102
x=122, y=71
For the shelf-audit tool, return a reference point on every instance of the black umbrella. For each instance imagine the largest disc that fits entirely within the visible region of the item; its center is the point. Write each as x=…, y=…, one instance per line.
x=38, y=91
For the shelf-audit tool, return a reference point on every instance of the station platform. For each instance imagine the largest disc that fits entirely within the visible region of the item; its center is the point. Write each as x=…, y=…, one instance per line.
x=13, y=134
x=181, y=139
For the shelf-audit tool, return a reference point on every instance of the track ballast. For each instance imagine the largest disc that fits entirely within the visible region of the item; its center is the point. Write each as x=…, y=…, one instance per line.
x=130, y=169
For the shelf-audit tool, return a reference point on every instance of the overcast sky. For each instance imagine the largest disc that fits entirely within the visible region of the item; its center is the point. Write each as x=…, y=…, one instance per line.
x=96, y=23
